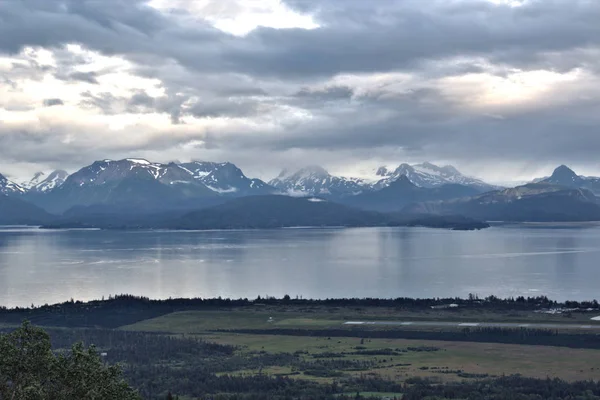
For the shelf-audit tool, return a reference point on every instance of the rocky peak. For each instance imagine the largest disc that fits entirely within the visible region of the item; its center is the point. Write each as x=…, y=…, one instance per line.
x=563, y=172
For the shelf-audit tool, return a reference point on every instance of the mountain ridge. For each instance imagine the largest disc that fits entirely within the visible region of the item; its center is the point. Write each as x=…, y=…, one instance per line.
x=533, y=202
x=139, y=187
x=429, y=175
x=402, y=192
x=138, y=183
x=317, y=181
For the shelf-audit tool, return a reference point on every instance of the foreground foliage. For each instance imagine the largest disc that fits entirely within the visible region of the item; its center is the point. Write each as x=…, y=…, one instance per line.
x=29, y=370
x=165, y=366
x=159, y=365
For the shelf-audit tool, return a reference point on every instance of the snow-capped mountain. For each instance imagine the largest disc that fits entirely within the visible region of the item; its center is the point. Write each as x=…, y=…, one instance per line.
x=38, y=177
x=106, y=171
x=144, y=185
x=428, y=175
x=9, y=188
x=316, y=181
x=220, y=178
x=42, y=183
x=225, y=178
x=565, y=176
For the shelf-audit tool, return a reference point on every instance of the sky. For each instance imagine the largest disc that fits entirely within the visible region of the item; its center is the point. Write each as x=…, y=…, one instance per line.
x=505, y=90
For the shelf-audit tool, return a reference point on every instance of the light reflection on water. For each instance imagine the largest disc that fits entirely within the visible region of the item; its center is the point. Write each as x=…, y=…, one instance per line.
x=51, y=266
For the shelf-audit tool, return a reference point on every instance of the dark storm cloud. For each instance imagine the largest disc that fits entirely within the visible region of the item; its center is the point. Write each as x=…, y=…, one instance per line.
x=355, y=36
x=110, y=25
x=53, y=102
x=360, y=36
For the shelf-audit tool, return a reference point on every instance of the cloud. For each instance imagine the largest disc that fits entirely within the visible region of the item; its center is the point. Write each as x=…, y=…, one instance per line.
x=472, y=82
x=354, y=37
x=53, y=102
x=89, y=77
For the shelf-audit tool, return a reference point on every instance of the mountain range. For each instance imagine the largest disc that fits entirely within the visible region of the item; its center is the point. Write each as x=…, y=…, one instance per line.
x=135, y=189
x=137, y=185
x=316, y=181
x=428, y=175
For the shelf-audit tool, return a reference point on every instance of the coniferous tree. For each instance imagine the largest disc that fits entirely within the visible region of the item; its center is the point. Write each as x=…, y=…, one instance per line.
x=29, y=370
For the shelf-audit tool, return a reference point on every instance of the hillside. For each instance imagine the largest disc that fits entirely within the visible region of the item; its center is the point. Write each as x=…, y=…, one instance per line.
x=259, y=212
x=536, y=202
x=428, y=175
x=565, y=176
x=277, y=212
x=14, y=211
x=403, y=192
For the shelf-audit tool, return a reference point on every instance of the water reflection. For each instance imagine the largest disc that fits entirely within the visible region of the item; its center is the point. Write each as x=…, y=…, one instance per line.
x=45, y=267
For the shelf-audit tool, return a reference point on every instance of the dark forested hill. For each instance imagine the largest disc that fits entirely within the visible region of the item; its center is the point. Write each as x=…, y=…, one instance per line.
x=259, y=212
x=14, y=211
x=276, y=212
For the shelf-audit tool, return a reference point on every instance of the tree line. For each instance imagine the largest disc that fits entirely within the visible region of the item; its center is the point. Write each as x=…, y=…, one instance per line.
x=127, y=309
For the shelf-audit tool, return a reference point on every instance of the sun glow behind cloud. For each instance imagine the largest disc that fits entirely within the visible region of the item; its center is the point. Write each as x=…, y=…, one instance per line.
x=240, y=18
x=510, y=3
x=518, y=88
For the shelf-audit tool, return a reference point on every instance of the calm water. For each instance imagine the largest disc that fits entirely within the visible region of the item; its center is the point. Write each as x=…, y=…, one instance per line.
x=52, y=266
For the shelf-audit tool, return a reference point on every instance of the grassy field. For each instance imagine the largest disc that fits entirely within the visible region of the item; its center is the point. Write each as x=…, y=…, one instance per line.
x=449, y=361
x=282, y=317
x=470, y=358
x=203, y=321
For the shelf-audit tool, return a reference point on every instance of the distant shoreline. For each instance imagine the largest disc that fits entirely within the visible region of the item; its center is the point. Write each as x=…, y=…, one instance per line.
x=470, y=226
x=519, y=302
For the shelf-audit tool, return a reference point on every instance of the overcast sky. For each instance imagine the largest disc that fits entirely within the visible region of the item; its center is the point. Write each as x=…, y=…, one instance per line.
x=502, y=89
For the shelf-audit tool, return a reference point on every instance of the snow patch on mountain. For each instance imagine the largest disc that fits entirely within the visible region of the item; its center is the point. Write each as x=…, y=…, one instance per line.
x=43, y=183
x=315, y=181
x=38, y=177
x=140, y=161
x=8, y=187
x=219, y=178
x=428, y=175
x=225, y=178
